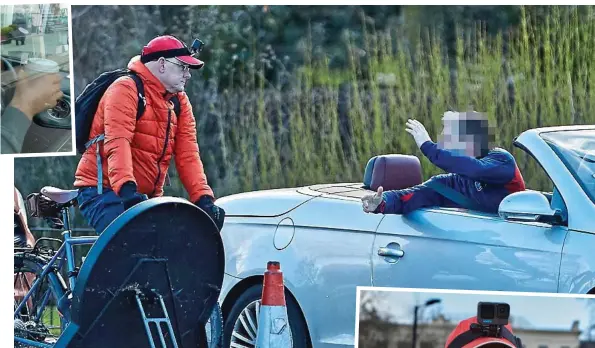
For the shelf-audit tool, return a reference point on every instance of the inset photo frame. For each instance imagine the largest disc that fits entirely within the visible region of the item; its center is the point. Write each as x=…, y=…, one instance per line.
x=428, y=318
x=37, y=110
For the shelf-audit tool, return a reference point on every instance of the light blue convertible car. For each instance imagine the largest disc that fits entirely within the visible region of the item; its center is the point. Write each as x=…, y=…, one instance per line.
x=327, y=245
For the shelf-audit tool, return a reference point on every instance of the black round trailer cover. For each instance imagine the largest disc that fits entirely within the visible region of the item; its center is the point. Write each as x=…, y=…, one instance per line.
x=166, y=244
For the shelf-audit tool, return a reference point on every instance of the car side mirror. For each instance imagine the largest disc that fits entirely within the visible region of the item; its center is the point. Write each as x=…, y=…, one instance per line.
x=527, y=206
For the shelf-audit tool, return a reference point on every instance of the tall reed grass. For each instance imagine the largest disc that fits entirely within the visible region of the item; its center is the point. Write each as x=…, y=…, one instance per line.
x=327, y=125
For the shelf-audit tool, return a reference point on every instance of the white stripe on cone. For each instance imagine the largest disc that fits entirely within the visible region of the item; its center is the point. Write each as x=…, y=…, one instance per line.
x=273, y=328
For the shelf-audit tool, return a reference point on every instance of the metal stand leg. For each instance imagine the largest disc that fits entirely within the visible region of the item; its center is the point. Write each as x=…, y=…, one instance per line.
x=157, y=321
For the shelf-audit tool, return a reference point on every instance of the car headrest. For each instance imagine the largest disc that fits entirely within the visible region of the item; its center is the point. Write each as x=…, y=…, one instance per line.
x=392, y=172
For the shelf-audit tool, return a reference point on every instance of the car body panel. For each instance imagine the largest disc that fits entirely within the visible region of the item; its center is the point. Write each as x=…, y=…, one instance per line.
x=577, y=269
x=262, y=203
x=461, y=250
x=316, y=269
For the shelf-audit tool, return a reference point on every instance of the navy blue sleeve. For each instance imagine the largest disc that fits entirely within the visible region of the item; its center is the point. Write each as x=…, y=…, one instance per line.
x=407, y=200
x=497, y=167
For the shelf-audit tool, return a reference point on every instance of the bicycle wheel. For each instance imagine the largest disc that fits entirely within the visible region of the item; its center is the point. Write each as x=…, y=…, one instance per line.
x=214, y=327
x=38, y=319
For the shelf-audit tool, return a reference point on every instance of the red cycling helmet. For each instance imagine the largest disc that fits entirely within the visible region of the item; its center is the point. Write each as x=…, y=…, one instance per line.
x=167, y=46
x=468, y=335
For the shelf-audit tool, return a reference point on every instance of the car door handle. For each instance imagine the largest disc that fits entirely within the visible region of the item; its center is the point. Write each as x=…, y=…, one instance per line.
x=390, y=252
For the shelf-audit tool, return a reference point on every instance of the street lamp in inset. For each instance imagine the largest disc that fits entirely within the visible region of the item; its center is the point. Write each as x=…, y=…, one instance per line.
x=427, y=304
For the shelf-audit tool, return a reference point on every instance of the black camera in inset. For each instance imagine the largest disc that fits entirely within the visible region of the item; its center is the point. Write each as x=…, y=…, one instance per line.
x=492, y=321
x=493, y=313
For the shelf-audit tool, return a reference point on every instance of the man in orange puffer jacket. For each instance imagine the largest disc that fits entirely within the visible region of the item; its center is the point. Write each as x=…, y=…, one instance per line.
x=135, y=155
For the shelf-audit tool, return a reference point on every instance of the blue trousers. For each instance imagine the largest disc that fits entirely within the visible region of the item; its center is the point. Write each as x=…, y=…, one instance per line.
x=99, y=210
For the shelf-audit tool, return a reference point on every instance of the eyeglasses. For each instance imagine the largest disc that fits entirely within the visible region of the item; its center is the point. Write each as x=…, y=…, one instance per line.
x=185, y=67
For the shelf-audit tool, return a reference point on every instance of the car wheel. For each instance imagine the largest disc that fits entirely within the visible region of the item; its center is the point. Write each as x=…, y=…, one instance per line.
x=241, y=325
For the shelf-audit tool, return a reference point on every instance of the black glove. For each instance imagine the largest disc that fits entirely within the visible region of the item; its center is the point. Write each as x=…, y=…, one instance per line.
x=216, y=213
x=129, y=195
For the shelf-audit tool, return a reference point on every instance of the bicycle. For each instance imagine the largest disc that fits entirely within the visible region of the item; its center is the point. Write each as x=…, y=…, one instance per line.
x=49, y=285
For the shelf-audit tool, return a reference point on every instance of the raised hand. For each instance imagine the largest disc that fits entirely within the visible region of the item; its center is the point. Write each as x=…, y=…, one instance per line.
x=418, y=131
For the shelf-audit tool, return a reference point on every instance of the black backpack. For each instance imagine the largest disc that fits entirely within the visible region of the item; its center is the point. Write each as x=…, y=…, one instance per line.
x=87, y=102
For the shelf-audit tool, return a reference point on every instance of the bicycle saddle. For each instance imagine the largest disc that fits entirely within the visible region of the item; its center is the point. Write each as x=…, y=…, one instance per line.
x=58, y=195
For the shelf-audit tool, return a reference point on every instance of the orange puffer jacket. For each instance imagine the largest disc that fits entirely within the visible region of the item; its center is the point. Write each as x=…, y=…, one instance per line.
x=140, y=151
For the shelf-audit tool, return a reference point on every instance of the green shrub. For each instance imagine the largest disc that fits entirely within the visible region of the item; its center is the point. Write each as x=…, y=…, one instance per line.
x=6, y=31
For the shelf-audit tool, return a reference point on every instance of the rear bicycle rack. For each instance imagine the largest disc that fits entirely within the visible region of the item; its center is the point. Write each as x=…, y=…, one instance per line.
x=143, y=298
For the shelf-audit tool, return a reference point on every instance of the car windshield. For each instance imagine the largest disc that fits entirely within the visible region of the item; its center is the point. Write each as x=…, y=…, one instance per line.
x=35, y=31
x=577, y=150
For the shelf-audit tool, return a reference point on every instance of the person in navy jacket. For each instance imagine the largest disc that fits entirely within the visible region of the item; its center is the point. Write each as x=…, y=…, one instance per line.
x=482, y=174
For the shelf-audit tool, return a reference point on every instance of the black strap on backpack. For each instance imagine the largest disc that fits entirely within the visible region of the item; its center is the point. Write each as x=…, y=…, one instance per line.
x=140, y=89
x=142, y=102
x=177, y=107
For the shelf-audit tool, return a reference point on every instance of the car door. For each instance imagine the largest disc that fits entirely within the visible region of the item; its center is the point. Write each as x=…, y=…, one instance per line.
x=459, y=249
x=331, y=249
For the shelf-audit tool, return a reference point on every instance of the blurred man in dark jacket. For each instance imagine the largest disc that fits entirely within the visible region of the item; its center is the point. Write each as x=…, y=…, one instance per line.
x=482, y=174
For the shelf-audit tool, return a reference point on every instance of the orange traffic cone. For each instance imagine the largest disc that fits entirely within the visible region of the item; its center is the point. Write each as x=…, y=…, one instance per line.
x=273, y=323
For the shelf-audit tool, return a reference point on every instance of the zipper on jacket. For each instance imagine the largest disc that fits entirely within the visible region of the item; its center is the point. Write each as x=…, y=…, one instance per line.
x=163, y=152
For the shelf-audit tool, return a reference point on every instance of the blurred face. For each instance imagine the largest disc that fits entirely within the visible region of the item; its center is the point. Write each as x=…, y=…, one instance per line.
x=174, y=74
x=455, y=138
x=452, y=137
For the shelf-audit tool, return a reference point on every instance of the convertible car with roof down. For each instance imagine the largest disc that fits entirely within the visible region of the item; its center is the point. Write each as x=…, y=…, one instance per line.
x=327, y=245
